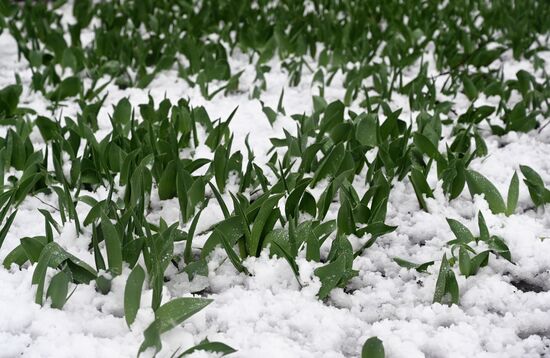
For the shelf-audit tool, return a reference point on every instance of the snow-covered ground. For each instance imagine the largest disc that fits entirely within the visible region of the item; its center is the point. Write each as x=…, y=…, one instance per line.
x=504, y=310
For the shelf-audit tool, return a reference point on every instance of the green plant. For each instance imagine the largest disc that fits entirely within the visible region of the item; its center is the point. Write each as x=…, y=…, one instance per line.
x=373, y=348
x=539, y=194
x=309, y=192
x=469, y=261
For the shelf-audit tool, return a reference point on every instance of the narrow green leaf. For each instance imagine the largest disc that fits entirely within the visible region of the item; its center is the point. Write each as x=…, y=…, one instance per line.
x=513, y=195
x=132, y=294
x=255, y=245
x=220, y=348
x=220, y=201
x=440, y=285
x=113, y=245
x=483, y=230
x=174, y=312
x=231, y=254
x=464, y=263
x=6, y=227
x=58, y=289
x=497, y=246
x=411, y=265
x=452, y=287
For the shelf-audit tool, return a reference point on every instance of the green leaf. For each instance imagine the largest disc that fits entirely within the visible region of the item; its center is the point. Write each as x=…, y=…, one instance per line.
x=6, y=227
x=451, y=287
x=214, y=347
x=195, y=196
x=196, y=268
x=231, y=254
x=58, y=289
x=478, y=184
x=103, y=284
x=151, y=338
x=187, y=253
x=16, y=256
x=167, y=188
x=220, y=201
x=168, y=316
x=295, y=196
x=411, y=265
x=280, y=250
x=462, y=233
x=270, y=114
x=344, y=220
x=113, y=245
x=69, y=87
x=470, y=89
x=373, y=348
x=539, y=194
x=33, y=247
x=330, y=275
x=497, y=246
x=426, y=146
x=513, y=194
x=123, y=111
x=220, y=167
x=54, y=255
x=255, y=244
x=160, y=248
x=334, y=114
x=9, y=99
x=464, y=262
x=365, y=132
x=478, y=261
x=421, y=187
x=330, y=165
x=48, y=128
x=441, y=284
x=524, y=80
x=483, y=230
x=132, y=294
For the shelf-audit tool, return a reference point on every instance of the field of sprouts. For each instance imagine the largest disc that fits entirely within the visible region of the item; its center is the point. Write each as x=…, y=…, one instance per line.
x=252, y=178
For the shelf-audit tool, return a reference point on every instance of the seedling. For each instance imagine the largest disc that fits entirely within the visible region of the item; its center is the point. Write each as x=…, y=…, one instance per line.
x=468, y=265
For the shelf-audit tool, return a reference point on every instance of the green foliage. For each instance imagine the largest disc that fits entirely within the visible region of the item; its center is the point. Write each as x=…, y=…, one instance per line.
x=280, y=205
x=373, y=348
x=446, y=283
x=411, y=265
x=469, y=261
x=540, y=195
x=215, y=347
x=478, y=184
x=132, y=294
x=168, y=316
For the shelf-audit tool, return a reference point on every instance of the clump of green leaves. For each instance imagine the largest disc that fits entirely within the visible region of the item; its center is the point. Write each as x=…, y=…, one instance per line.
x=469, y=260
x=478, y=184
x=539, y=193
x=141, y=157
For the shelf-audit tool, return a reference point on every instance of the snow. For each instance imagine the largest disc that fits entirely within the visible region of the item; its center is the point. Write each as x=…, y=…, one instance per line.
x=268, y=314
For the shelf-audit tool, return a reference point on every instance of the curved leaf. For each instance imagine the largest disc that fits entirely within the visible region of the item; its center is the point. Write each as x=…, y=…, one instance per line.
x=132, y=294
x=478, y=184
